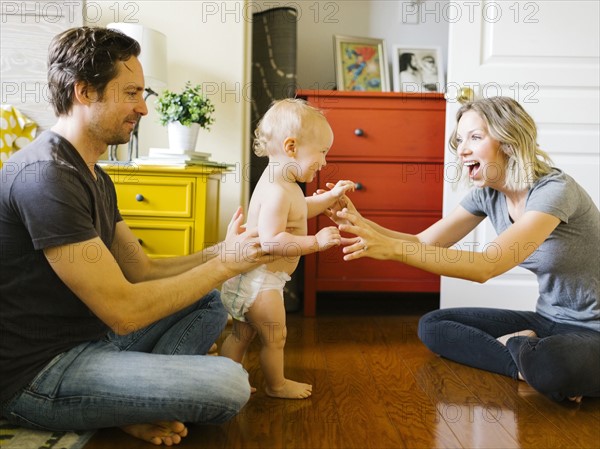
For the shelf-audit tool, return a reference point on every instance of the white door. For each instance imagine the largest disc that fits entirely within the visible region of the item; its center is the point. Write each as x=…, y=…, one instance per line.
x=544, y=54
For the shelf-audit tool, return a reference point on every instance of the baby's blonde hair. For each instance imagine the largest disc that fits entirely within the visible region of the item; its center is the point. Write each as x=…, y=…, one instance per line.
x=508, y=123
x=285, y=118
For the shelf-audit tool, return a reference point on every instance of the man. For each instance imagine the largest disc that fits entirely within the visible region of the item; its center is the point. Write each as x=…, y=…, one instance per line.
x=410, y=75
x=94, y=333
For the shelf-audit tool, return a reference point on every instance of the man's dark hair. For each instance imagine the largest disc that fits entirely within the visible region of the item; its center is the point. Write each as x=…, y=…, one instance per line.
x=87, y=54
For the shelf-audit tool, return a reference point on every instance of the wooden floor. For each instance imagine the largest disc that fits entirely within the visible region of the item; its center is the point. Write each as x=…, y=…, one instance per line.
x=376, y=386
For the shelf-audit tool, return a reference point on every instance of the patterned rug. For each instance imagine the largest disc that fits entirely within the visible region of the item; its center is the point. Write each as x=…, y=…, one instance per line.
x=14, y=437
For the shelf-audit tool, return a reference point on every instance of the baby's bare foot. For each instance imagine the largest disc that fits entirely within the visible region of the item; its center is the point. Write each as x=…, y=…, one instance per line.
x=524, y=333
x=164, y=432
x=290, y=390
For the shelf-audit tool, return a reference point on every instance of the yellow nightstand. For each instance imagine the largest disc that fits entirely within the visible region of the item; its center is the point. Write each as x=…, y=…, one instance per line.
x=173, y=211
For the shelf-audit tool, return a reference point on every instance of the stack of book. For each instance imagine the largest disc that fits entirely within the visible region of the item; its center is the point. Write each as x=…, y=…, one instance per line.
x=165, y=156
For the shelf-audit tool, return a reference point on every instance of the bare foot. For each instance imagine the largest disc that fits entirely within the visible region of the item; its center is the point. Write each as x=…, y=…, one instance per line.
x=164, y=432
x=290, y=390
x=214, y=350
x=524, y=333
x=576, y=399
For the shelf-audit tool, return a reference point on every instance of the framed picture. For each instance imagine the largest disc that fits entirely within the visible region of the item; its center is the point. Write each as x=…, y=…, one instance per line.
x=418, y=69
x=360, y=64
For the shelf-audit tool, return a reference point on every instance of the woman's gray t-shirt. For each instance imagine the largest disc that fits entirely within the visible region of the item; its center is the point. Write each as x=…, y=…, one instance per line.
x=567, y=263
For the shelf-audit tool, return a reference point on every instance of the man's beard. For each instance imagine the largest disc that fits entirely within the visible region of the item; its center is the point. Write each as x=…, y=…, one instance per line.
x=118, y=140
x=111, y=136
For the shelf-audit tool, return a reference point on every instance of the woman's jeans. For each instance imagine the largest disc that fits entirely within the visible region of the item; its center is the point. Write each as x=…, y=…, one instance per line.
x=155, y=374
x=562, y=361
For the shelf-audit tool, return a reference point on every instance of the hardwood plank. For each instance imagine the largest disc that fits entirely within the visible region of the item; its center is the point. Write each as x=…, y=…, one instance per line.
x=504, y=405
x=376, y=385
x=259, y=425
x=579, y=423
x=409, y=408
x=315, y=422
x=305, y=423
x=464, y=413
x=364, y=420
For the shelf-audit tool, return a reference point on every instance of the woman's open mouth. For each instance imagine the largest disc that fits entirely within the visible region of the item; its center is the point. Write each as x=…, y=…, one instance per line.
x=473, y=168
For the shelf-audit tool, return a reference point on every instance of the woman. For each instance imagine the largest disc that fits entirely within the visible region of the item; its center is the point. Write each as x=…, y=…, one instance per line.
x=545, y=222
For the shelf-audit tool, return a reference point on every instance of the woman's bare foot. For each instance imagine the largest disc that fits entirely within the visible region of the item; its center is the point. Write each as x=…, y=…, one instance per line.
x=290, y=390
x=163, y=432
x=524, y=333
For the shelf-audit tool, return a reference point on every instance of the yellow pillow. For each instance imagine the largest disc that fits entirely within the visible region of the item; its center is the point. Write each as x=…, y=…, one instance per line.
x=16, y=131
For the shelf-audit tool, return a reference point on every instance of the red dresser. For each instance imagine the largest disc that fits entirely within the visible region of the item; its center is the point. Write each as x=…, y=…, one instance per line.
x=392, y=146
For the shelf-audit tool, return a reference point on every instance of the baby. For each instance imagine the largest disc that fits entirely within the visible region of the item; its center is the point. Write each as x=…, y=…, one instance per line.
x=296, y=137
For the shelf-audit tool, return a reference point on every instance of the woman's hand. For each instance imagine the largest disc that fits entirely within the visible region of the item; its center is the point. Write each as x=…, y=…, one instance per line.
x=367, y=243
x=341, y=203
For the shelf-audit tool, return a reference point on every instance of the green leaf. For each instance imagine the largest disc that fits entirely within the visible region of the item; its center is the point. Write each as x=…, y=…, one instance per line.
x=189, y=106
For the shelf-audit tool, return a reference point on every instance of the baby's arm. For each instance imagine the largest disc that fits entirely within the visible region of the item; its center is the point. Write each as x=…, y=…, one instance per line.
x=273, y=230
x=317, y=204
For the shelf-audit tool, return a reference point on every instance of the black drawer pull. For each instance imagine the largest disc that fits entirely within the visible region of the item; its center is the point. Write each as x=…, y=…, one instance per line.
x=141, y=242
x=359, y=186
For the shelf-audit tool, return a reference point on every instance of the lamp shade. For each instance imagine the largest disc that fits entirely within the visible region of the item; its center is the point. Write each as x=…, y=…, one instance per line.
x=153, y=56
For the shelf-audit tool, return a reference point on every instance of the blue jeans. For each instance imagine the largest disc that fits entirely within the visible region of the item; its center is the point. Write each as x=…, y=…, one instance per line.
x=562, y=361
x=153, y=374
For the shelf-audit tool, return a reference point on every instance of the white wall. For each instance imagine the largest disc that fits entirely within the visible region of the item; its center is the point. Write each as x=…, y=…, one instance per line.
x=206, y=44
x=422, y=23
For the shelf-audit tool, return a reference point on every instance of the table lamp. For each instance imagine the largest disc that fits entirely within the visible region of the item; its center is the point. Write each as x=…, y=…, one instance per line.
x=153, y=58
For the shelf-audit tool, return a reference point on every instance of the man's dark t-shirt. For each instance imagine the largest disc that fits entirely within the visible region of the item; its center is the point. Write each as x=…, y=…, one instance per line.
x=48, y=198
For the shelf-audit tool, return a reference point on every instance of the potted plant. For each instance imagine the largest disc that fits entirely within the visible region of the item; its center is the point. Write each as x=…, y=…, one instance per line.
x=184, y=114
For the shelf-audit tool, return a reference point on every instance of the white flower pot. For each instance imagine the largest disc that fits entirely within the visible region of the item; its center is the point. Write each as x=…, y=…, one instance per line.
x=182, y=138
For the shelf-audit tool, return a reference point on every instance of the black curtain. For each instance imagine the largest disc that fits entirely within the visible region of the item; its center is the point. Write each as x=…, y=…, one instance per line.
x=274, y=49
x=274, y=40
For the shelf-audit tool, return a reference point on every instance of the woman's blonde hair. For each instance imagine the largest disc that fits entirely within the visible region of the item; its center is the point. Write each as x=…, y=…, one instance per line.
x=508, y=123
x=285, y=118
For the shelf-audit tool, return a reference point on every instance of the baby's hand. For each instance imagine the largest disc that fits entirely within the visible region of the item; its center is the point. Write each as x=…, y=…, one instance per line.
x=340, y=204
x=328, y=237
x=341, y=187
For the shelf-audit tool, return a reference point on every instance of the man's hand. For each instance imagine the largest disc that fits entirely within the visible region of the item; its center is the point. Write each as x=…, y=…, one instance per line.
x=241, y=250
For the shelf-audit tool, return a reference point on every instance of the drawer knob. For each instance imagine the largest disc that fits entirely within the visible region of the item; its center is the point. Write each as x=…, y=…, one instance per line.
x=359, y=132
x=359, y=186
x=139, y=197
x=141, y=242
